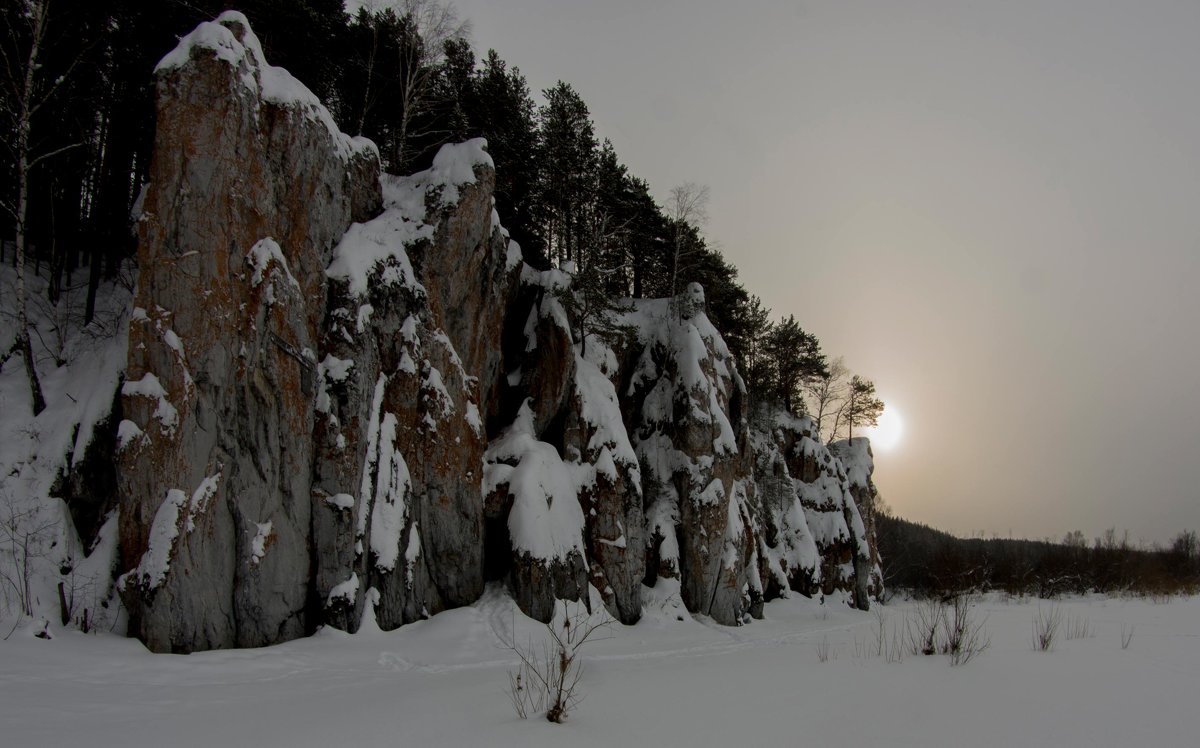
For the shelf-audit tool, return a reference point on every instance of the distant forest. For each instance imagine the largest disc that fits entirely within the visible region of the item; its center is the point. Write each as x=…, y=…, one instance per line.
x=77, y=112
x=929, y=562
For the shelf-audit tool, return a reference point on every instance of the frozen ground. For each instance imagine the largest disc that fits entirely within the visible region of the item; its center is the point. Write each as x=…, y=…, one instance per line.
x=660, y=683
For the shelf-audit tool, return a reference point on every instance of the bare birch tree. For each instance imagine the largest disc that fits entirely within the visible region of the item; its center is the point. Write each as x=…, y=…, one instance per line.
x=427, y=26
x=826, y=399
x=27, y=90
x=687, y=206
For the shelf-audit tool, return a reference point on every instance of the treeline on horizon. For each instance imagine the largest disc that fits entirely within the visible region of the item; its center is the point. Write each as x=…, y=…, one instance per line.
x=931, y=563
x=404, y=74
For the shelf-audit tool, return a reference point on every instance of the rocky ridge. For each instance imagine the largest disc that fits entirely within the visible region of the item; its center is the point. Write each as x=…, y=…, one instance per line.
x=347, y=395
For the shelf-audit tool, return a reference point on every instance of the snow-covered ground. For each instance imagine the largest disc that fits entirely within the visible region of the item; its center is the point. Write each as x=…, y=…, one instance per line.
x=663, y=682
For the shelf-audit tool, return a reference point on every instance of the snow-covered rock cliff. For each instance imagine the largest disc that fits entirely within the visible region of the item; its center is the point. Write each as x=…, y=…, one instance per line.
x=252, y=187
x=347, y=398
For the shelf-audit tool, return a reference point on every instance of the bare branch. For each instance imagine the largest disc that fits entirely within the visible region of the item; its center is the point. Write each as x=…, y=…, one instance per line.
x=51, y=154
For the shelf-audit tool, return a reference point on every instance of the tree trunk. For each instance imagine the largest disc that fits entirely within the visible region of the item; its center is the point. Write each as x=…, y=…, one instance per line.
x=23, y=117
x=362, y=115
x=22, y=341
x=674, y=302
x=93, y=285
x=64, y=610
x=55, y=262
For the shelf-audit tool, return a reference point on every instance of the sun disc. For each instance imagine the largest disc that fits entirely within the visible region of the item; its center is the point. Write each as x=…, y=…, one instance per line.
x=886, y=434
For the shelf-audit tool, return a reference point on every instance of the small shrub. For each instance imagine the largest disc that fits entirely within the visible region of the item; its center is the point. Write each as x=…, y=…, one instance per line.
x=1126, y=636
x=1078, y=627
x=1045, y=628
x=950, y=628
x=25, y=539
x=823, y=650
x=861, y=650
x=965, y=636
x=547, y=678
x=889, y=637
x=923, y=626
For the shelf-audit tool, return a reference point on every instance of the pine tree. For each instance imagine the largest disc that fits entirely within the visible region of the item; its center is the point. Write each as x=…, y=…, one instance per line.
x=724, y=296
x=567, y=160
x=796, y=360
x=456, y=95
x=368, y=100
x=503, y=111
x=592, y=308
x=611, y=218
x=862, y=407
x=137, y=35
x=648, y=241
x=753, y=361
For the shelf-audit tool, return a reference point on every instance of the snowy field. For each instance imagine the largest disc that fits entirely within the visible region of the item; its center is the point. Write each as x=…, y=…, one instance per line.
x=663, y=682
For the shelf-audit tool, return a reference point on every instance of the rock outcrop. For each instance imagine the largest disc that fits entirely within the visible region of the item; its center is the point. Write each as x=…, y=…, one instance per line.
x=400, y=430
x=789, y=558
x=684, y=402
x=823, y=486
x=347, y=396
x=859, y=462
x=251, y=188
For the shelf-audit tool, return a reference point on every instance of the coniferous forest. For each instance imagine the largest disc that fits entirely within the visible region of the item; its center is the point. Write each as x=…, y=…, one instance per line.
x=408, y=76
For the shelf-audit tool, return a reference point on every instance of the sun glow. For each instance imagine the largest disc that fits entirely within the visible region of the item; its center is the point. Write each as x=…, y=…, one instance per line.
x=886, y=434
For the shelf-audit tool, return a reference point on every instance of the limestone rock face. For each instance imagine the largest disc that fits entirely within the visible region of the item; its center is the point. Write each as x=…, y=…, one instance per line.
x=684, y=395
x=400, y=432
x=251, y=189
x=535, y=482
x=859, y=462
x=349, y=399
x=833, y=517
x=788, y=555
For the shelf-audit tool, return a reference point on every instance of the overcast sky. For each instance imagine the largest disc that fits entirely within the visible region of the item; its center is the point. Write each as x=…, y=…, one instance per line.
x=991, y=209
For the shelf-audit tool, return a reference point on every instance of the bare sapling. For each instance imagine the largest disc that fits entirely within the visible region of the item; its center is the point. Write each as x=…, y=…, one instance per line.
x=965, y=637
x=823, y=650
x=547, y=677
x=1126, y=636
x=1046, y=623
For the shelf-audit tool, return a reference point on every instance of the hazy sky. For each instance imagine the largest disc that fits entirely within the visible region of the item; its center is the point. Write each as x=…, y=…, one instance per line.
x=991, y=209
